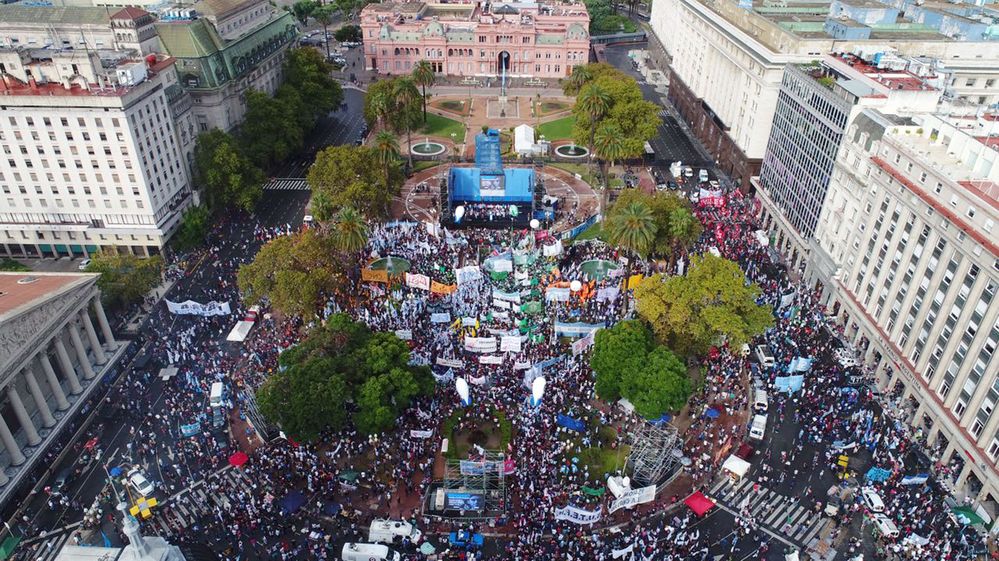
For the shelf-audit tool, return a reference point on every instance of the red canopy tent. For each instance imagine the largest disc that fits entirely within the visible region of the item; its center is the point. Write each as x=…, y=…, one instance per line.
x=699, y=503
x=238, y=459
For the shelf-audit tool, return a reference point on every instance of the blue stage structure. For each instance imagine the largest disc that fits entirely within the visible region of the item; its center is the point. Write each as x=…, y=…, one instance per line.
x=489, y=195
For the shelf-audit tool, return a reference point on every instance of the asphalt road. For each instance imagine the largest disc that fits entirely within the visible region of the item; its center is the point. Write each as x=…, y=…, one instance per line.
x=339, y=127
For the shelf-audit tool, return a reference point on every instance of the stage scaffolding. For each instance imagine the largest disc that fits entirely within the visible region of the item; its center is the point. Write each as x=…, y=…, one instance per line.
x=654, y=457
x=483, y=476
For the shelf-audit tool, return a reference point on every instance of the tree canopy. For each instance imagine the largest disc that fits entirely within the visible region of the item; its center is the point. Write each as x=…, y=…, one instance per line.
x=226, y=176
x=711, y=303
x=125, y=278
x=604, y=19
x=340, y=363
x=295, y=273
x=636, y=120
x=354, y=176
x=194, y=226
x=677, y=228
x=628, y=363
x=348, y=34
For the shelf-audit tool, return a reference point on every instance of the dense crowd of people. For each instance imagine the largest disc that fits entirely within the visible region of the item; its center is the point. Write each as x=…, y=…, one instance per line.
x=517, y=293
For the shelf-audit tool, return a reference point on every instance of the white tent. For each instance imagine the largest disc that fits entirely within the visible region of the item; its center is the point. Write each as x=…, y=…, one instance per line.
x=736, y=465
x=523, y=140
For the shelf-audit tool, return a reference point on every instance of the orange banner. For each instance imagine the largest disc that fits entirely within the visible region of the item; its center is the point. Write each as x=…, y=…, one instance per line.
x=438, y=288
x=372, y=275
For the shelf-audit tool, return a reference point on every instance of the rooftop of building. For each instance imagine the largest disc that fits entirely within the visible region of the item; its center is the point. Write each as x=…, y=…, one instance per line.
x=22, y=291
x=11, y=86
x=54, y=15
x=219, y=8
x=130, y=12
x=895, y=79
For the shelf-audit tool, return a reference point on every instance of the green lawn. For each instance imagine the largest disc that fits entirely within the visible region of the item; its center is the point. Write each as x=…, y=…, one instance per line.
x=424, y=164
x=594, y=232
x=583, y=170
x=558, y=129
x=442, y=127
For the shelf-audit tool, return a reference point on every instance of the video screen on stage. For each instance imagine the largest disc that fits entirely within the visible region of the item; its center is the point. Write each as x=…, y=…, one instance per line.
x=464, y=501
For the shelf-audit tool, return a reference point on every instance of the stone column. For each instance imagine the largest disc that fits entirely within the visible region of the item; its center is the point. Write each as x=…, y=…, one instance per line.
x=81, y=352
x=16, y=457
x=36, y=393
x=22, y=416
x=102, y=320
x=67, y=367
x=95, y=343
x=50, y=375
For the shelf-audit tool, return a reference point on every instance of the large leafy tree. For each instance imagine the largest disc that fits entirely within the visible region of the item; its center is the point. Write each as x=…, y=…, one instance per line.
x=194, y=226
x=308, y=73
x=273, y=128
x=660, y=384
x=339, y=363
x=711, y=303
x=616, y=352
x=348, y=34
x=295, y=273
x=627, y=363
x=423, y=76
x=226, y=175
x=125, y=278
x=353, y=176
x=302, y=10
x=636, y=119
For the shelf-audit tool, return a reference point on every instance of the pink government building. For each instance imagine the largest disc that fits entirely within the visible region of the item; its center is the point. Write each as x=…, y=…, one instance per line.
x=528, y=40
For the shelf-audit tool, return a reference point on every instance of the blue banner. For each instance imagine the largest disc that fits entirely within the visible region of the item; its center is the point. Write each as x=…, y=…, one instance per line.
x=915, y=479
x=789, y=384
x=190, y=430
x=570, y=423
x=799, y=364
x=877, y=474
x=578, y=329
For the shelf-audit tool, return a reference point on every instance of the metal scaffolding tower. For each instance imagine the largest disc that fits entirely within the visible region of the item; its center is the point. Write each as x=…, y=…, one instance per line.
x=653, y=457
x=481, y=481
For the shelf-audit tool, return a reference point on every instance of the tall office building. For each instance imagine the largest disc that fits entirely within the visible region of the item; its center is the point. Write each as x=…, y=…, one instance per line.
x=93, y=149
x=815, y=105
x=726, y=62
x=917, y=286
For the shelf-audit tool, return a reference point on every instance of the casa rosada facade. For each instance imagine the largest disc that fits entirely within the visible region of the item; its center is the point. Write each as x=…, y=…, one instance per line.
x=527, y=40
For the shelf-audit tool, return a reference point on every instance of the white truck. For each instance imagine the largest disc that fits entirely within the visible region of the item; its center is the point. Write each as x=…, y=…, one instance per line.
x=387, y=531
x=758, y=428
x=368, y=552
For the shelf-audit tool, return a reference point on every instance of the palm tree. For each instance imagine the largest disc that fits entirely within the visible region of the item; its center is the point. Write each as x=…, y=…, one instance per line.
x=580, y=76
x=322, y=206
x=406, y=95
x=681, y=222
x=324, y=15
x=633, y=229
x=423, y=76
x=594, y=102
x=382, y=105
x=609, y=147
x=350, y=231
x=387, y=148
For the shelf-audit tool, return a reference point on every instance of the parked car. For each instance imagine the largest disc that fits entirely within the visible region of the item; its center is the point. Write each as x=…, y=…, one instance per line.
x=84, y=264
x=138, y=481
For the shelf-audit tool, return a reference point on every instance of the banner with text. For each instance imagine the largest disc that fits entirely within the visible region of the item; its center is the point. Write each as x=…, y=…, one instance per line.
x=634, y=497
x=418, y=281
x=578, y=515
x=191, y=307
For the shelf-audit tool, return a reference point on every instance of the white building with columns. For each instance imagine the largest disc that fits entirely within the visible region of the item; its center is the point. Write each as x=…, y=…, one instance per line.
x=915, y=281
x=55, y=345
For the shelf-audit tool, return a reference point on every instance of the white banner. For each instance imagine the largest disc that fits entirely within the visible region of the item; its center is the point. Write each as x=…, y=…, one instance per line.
x=191, y=307
x=503, y=266
x=583, y=343
x=480, y=344
x=501, y=304
x=467, y=274
x=490, y=359
x=404, y=334
x=619, y=553
x=557, y=294
x=510, y=344
x=450, y=362
x=634, y=497
x=421, y=433
x=508, y=296
x=443, y=317
x=577, y=515
x=521, y=365
x=553, y=250
x=477, y=381
x=418, y=281
x=469, y=322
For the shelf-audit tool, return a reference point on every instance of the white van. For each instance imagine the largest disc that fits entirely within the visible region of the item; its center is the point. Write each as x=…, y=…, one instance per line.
x=764, y=355
x=368, y=552
x=759, y=427
x=885, y=526
x=872, y=500
x=215, y=398
x=386, y=531
x=760, y=402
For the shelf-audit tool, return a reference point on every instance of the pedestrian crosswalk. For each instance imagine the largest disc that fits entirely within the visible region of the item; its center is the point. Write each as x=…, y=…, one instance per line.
x=184, y=508
x=785, y=516
x=287, y=184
